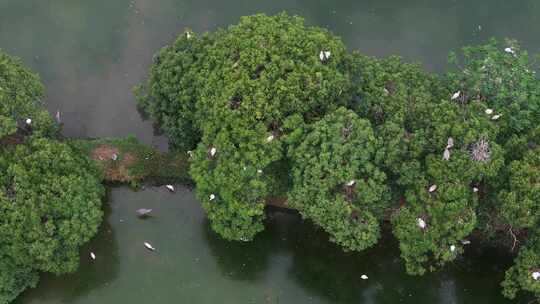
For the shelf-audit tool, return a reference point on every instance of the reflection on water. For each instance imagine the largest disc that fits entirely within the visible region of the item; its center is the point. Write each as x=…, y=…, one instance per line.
x=290, y=262
x=91, y=53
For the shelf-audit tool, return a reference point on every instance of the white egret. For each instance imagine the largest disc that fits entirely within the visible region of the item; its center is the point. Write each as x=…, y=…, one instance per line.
x=465, y=242
x=489, y=111
x=364, y=277
x=270, y=138
x=351, y=183
x=510, y=50
x=536, y=275
x=324, y=55
x=475, y=189
x=212, y=197
x=495, y=117
x=432, y=188
x=28, y=121
x=446, y=154
x=149, y=246
x=213, y=151
x=143, y=212
x=421, y=223
x=170, y=187
x=450, y=143
x=452, y=248
x=93, y=256
x=456, y=95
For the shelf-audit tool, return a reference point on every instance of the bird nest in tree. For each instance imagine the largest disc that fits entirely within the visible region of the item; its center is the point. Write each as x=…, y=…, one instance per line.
x=480, y=151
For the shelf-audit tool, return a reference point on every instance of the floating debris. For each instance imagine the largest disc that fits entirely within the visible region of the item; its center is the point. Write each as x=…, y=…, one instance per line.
x=93, y=256
x=143, y=212
x=170, y=187
x=446, y=154
x=149, y=246
x=324, y=55
x=456, y=95
x=489, y=111
x=364, y=277
x=432, y=188
x=421, y=223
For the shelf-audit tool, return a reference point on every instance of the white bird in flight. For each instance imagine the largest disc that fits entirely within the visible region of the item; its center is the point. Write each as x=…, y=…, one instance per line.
x=149, y=246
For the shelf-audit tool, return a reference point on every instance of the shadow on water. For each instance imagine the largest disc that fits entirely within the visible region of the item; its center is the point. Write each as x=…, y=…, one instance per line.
x=90, y=276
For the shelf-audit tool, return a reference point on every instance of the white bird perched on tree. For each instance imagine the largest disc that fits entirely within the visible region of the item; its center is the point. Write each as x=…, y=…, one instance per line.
x=149, y=246
x=475, y=189
x=93, y=256
x=450, y=143
x=212, y=197
x=446, y=154
x=213, y=151
x=259, y=171
x=170, y=187
x=452, y=248
x=28, y=121
x=270, y=138
x=489, y=111
x=510, y=50
x=351, y=183
x=495, y=117
x=465, y=242
x=364, y=277
x=324, y=55
x=421, y=223
x=536, y=275
x=456, y=95
x=432, y=188
x=188, y=35
x=190, y=153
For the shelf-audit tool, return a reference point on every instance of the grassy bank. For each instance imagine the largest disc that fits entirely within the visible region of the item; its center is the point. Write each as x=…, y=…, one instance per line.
x=127, y=161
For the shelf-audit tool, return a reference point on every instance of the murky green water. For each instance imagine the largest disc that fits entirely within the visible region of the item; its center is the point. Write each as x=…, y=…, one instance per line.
x=90, y=54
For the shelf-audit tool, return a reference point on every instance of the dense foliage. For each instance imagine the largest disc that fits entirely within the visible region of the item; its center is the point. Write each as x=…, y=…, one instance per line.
x=277, y=109
x=50, y=195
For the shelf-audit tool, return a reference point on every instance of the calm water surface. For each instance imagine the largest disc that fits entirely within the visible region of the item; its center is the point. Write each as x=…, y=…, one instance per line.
x=91, y=53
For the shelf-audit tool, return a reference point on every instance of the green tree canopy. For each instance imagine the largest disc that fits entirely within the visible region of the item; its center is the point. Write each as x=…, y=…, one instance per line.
x=273, y=108
x=50, y=194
